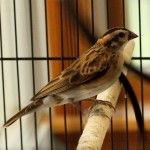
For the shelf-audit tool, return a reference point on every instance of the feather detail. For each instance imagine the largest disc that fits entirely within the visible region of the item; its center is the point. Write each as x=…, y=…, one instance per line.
x=28, y=109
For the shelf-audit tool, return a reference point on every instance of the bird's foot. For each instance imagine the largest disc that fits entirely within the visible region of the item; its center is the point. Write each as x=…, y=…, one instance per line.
x=106, y=103
x=99, y=108
x=103, y=102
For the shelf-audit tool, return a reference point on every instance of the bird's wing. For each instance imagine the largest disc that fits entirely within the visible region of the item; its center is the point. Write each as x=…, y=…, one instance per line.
x=58, y=84
x=90, y=65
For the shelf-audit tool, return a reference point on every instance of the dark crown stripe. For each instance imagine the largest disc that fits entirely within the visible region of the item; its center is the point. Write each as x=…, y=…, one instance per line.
x=112, y=30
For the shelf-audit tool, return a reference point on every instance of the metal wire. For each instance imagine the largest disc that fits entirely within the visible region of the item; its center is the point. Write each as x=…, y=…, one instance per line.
x=36, y=58
x=111, y=128
x=33, y=73
x=62, y=60
x=48, y=72
x=141, y=69
x=125, y=96
x=54, y=58
x=17, y=65
x=3, y=89
x=78, y=53
x=92, y=12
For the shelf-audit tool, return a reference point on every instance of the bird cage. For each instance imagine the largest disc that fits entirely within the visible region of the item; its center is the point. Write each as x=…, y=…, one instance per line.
x=39, y=38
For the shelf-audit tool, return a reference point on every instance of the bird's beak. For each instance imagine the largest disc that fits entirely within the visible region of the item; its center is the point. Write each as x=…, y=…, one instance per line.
x=132, y=36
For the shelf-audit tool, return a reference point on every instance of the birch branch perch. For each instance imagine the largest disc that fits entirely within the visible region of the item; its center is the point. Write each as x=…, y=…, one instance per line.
x=99, y=118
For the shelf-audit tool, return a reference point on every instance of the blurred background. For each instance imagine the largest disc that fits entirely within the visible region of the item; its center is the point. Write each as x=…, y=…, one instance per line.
x=38, y=39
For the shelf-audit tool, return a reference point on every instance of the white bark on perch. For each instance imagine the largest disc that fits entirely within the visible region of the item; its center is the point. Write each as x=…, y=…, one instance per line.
x=97, y=124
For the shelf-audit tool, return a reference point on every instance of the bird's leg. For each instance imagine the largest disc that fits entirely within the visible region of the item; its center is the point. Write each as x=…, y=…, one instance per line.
x=76, y=105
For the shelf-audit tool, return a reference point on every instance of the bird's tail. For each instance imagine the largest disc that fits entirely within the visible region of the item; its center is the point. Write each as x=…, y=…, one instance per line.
x=28, y=109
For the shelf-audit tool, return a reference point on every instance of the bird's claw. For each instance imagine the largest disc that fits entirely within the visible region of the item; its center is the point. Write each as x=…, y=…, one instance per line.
x=103, y=102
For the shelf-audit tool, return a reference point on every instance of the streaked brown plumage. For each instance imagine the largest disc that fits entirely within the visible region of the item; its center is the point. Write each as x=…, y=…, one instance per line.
x=93, y=72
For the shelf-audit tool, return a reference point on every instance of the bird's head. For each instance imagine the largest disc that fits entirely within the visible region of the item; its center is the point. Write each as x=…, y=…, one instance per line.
x=117, y=37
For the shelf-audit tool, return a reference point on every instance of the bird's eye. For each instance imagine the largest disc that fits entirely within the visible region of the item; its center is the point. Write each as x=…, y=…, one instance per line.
x=121, y=34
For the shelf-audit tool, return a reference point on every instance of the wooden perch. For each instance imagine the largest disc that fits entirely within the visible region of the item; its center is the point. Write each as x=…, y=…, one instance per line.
x=99, y=118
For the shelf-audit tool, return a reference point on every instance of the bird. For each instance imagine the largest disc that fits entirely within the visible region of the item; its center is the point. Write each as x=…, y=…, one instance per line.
x=90, y=74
